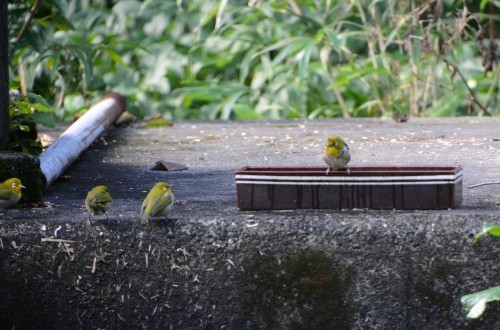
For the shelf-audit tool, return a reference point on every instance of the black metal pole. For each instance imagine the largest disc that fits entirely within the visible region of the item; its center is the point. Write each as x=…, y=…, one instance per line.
x=4, y=75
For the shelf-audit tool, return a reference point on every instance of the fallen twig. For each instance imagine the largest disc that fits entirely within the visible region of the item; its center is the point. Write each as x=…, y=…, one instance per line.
x=484, y=184
x=27, y=22
x=56, y=240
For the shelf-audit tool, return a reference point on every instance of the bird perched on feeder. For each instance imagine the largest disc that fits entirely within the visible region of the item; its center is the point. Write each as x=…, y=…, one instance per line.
x=336, y=154
x=10, y=192
x=158, y=202
x=98, y=201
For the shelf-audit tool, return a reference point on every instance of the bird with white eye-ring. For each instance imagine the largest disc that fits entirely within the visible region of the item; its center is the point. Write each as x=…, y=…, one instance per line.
x=158, y=203
x=336, y=154
x=10, y=192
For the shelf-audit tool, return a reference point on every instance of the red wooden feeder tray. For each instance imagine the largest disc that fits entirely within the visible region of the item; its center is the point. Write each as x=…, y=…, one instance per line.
x=381, y=188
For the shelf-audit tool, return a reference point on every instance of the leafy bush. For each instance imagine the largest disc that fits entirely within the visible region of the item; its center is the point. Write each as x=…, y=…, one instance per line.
x=25, y=111
x=209, y=59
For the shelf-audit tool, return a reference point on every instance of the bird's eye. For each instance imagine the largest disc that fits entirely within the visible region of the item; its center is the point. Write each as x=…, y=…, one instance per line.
x=13, y=184
x=335, y=143
x=165, y=188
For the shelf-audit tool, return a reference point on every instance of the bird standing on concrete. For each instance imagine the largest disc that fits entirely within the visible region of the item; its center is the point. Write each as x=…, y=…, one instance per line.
x=98, y=201
x=158, y=202
x=336, y=154
x=10, y=192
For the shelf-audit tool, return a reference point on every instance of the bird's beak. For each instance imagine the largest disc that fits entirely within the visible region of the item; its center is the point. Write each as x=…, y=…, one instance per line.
x=23, y=187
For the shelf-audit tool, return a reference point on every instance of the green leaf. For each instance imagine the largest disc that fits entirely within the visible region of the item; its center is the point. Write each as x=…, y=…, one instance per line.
x=24, y=128
x=449, y=105
x=210, y=93
x=346, y=77
x=295, y=46
x=495, y=231
x=483, y=4
x=474, y=304
x=487, y=229
x=20, y=108
x=160, y=122
x=245, y=112
x=44, y=118
x=52, y=63
x=306, y=57
x=227, y=105
x=14, y=84
x=86, y=64
x=245, y=65
x=336, y=40
x=114, y=56
x=39, y=103
x=73, y=103
x=63, y=24
x=132, y=45
x=280, y=44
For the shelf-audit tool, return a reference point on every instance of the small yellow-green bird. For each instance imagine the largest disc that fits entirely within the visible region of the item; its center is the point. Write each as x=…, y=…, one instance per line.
x=158, y=202
x=10, y=192
x=336, y=154
x=98, y=201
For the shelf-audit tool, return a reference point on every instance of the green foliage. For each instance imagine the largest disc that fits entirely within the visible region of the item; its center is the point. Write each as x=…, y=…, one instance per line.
x=219, y=59
x=488, y=228
x=158, y=123
x=475, y=304
x=25, y=111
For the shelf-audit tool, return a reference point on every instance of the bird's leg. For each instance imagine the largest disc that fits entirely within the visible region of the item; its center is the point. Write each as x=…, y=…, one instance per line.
x=327, y=170
x=170, y=224
x=348, y=170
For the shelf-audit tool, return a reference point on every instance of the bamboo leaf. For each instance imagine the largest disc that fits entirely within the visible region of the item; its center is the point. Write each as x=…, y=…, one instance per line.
x=483, y=4
x=114, y=56
x=447, y=106
x=278, y=45
x=227, y=105
x=86, y=64
x=244, y=112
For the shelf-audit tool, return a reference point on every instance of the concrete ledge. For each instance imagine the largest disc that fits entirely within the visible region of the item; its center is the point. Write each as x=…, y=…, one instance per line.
x=310, y=269
x=280, y=270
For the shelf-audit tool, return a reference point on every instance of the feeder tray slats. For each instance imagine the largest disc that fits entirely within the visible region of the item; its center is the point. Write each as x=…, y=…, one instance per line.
x=382, y=188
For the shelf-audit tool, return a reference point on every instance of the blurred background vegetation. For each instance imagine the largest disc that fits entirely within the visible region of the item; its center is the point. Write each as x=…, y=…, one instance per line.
x=208, y=59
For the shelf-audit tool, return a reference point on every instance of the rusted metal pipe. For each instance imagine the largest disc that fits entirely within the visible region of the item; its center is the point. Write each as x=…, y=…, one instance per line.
x=79, y=136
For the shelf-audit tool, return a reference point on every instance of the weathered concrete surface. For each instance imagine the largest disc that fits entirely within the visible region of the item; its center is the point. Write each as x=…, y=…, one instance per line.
x=292, y=269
